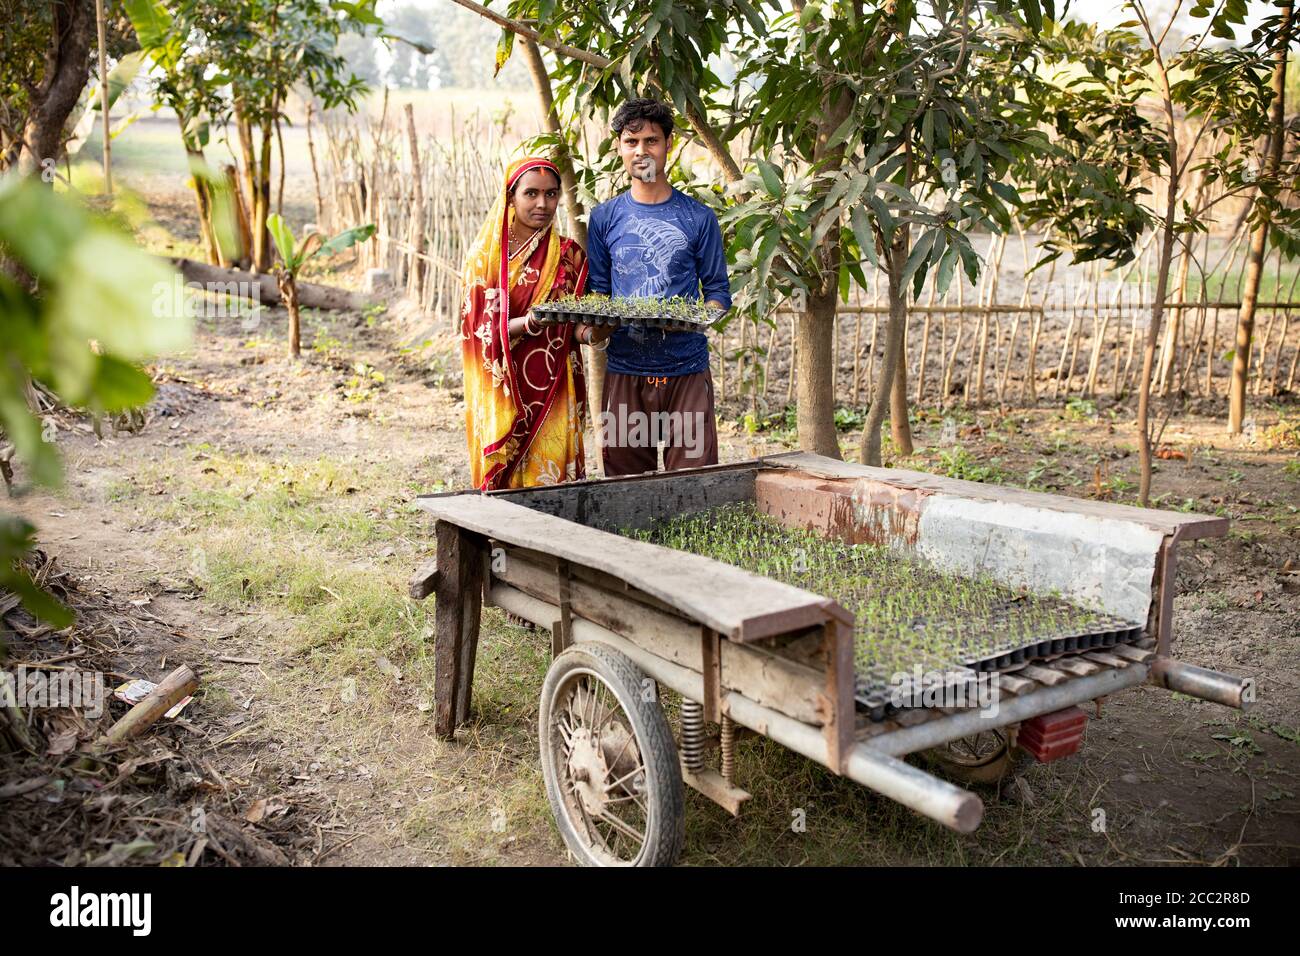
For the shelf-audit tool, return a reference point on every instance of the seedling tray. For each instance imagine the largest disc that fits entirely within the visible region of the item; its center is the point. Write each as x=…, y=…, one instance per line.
x=908, y=614
x=696, y=318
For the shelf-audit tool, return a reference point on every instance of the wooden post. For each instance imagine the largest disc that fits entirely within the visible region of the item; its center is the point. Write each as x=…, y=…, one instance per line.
x=103, y=96
x=415, y=277
x=459, y=595
x=837, y=647
x=562, y=631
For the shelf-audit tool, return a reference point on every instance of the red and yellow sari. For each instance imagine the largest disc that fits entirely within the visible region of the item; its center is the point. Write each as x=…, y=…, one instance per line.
x=524, y=406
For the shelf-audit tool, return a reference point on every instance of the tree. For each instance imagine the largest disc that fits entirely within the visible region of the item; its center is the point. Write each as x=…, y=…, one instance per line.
x=239, y=59
x=294, y=255
x=1265, y=208
x=45, y=57
x=1097, y=209
x=183, y=84
x=857, y=99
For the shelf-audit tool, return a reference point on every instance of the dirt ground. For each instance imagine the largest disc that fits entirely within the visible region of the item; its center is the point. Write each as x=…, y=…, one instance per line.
x=260, y=528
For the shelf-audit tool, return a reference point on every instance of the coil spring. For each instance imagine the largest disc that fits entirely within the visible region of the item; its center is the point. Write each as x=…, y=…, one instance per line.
x=728, y=744
x=693, y=735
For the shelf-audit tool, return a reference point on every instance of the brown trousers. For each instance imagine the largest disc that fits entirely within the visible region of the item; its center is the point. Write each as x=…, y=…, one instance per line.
x=640, y=411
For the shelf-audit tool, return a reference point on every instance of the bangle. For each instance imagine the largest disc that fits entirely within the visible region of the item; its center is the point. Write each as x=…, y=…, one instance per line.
x=528, y=324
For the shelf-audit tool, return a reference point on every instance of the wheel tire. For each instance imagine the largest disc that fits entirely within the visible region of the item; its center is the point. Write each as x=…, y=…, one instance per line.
x=1000, y=764
x=581, y=670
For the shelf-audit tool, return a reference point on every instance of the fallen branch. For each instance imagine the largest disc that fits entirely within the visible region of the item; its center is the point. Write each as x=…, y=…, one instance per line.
x=263, y=287
x=174, y=688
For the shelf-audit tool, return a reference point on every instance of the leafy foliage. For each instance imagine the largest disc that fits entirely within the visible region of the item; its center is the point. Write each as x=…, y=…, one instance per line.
x=79, y=305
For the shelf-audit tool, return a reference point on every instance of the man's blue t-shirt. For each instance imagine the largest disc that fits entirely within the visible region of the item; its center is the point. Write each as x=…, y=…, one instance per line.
x=672, y=248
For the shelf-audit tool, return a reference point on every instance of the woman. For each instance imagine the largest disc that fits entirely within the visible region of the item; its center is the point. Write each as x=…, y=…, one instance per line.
x=525, y=394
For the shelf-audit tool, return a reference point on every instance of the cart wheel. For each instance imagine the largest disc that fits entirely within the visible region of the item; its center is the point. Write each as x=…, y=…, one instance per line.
x=609, y=761
x=984, y=757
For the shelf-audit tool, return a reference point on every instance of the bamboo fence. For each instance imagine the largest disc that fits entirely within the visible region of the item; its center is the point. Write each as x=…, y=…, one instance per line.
x=1019, y=336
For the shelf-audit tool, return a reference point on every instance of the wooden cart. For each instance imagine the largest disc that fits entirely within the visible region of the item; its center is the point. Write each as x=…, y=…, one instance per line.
x=626, y=616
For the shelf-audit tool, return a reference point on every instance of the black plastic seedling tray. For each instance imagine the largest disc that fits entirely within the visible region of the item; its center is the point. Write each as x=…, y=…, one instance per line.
x=554, y=313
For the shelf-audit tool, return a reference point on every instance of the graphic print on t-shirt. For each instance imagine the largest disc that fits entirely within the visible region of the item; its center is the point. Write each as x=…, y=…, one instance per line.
x=643, y=256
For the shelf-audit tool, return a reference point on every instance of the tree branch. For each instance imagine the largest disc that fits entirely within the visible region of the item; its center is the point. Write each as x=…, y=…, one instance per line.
x=514, y=26
x=699, y=123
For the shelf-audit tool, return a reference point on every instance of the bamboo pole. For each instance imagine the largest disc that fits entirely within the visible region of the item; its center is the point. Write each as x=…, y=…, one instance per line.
x=103, y=96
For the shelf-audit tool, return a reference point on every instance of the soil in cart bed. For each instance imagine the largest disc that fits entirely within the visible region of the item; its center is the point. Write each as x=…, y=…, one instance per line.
x=909, y=616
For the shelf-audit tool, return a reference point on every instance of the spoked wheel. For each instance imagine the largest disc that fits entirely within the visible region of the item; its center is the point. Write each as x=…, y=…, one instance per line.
x=985, y=757
x=609, y=761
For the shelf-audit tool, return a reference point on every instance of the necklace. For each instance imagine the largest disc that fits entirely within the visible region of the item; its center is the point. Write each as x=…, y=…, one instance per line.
x=518, y=250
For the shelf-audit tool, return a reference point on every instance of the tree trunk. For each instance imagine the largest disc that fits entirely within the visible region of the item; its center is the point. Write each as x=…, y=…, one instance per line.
x=67, y=68
x=252, y=285
x=814, y=378
x=239, y=212
x=248, y=198
x=900, y=429
x=1258, y=239
x=262, y=207
x=869, y=453
x=289, y=292
x=315, y=176
x=105, y=112
x=1153, y=332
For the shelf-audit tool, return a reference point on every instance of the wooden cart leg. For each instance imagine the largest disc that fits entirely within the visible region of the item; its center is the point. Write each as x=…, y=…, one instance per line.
x=459, y=596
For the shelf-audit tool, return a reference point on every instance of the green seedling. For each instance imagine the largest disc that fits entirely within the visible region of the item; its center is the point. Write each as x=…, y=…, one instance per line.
x=294, y=255
x=906, y=612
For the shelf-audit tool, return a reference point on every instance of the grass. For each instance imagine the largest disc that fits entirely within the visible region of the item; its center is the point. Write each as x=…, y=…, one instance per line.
x=959, y=463
x=298, y=544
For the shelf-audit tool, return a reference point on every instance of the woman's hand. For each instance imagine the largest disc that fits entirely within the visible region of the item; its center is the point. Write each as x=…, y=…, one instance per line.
x=518, y=327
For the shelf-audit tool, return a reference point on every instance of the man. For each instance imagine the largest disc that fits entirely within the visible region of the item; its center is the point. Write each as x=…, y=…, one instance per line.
x=653, y=241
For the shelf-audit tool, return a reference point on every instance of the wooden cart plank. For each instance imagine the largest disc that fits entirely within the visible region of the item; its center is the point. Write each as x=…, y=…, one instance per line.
x=776, y=682
x=739, y=605
x=1044, y=676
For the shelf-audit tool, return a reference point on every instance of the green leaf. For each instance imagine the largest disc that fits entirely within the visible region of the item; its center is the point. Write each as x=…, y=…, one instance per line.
x=120, y=385
x=1033, y=14
x=150, y=20
x=947, y=265
x=771, y=178
x=284, y=240
x=920, y=253
x=344, y=240
x=862, y=232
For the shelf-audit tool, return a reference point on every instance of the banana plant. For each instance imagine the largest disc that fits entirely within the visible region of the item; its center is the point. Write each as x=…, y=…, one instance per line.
x=294, y=255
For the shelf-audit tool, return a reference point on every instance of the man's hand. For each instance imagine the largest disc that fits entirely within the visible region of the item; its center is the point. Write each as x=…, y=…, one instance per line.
x=593, y=334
